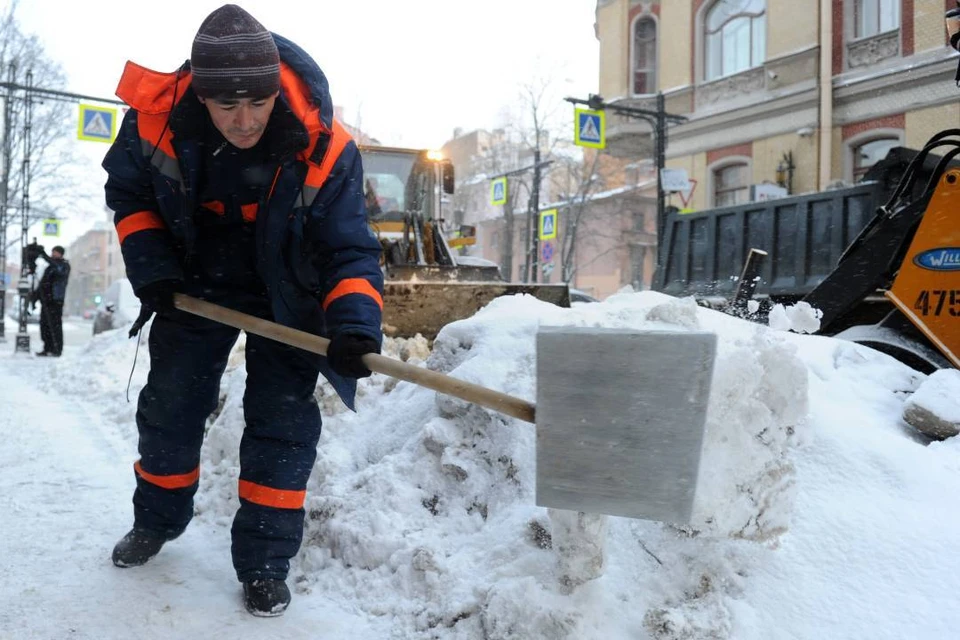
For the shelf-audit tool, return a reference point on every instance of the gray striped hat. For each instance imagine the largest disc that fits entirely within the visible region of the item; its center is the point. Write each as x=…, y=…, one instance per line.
x=234, y=56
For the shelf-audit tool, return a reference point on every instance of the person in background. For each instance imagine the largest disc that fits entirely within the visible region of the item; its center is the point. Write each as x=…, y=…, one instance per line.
x=232, y=182
x=51, y=292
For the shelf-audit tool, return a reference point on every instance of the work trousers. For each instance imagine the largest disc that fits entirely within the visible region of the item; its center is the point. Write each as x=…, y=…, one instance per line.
x=51, y=326
x=277, y=449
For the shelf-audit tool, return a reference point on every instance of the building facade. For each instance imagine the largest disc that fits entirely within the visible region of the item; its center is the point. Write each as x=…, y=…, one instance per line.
x=777, y=92
x=95, y=263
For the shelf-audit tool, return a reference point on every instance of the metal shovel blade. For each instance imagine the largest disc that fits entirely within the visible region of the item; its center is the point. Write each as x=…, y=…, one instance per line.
x=620, y=420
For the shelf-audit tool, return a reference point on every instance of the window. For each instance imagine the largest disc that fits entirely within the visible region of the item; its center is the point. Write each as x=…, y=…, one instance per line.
x=872, y=17
x=735, y=37
x=731, y=185
x=644, y=56
x=869, y=153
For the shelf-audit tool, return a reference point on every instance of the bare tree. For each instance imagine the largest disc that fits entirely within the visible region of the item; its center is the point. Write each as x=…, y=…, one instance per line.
x=585, y=179
x=532, y=126
x=499, y=157
x=23, y=57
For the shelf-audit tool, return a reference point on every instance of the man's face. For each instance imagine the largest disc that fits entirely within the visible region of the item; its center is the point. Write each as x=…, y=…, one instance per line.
x=56, y=254
x=241, y=120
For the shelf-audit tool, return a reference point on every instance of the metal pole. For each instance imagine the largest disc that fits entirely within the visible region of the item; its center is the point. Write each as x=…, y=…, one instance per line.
x=529, y=232
x=53, y=93
x=23, y=287
x=4, y=194
x=661, y=134
x=535, y=214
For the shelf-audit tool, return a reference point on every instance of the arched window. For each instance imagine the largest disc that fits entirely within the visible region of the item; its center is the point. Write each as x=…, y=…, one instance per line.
x=644, y=56
x=735, y=37
x=731, y=184
x=867, y=154
x=872, y=17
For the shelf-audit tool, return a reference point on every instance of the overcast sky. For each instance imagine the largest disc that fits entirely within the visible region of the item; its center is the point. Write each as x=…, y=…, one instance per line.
x=407, y=71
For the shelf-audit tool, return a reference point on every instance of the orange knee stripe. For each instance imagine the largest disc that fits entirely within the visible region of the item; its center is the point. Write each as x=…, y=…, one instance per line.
x=180, y=481
x=268, y=497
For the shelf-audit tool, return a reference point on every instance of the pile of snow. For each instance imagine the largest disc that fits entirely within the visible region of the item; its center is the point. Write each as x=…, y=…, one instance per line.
x=800, y=317
x=934, y=409
x=819, y=512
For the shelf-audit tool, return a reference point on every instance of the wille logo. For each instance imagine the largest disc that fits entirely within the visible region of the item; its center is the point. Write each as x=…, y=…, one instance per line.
x=941, y=259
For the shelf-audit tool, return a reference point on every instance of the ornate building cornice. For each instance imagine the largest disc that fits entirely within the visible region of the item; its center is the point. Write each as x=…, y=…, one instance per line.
x=869, y=51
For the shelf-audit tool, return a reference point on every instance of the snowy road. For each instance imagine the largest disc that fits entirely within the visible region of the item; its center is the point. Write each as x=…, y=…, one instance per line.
x=67, y=480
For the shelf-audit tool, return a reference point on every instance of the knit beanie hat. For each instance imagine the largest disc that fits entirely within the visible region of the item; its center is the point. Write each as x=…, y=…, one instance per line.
x=234, y=56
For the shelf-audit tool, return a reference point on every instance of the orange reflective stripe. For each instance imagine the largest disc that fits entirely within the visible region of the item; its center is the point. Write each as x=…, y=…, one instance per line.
x=180, y=481
x=352, y=285
x=267, y=497
x=297, y=94
x=214, y=205
x=139, y=221
x=249, y=211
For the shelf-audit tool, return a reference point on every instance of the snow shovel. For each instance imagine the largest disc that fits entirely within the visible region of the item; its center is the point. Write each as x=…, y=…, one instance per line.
x=620, y=415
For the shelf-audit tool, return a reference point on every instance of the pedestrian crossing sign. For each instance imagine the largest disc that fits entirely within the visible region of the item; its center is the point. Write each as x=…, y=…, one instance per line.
x=548, y=224
x=589, y=128
x=498, y=191
x=98, y=124
x=51, y=227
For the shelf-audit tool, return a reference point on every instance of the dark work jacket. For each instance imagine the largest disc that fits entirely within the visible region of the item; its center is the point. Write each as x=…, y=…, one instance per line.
x=315, y=254
x=53, y=284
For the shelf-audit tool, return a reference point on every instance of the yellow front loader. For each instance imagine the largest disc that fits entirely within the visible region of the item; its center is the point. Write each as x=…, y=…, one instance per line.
x=427, y=284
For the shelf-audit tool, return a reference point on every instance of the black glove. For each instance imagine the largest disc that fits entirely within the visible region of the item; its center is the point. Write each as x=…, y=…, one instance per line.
x=158, y=296
x=345, y=351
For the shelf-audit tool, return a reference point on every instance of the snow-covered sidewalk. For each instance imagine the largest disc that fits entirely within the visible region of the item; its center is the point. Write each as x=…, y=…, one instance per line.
x=65, y=487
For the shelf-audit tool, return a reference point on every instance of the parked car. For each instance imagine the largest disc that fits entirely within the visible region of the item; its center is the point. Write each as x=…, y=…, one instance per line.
x=118, y=307
x=576, y=295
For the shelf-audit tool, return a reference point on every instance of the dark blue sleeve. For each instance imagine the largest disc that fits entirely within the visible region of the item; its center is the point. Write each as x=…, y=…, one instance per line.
x=347, y=251
x=145, y=242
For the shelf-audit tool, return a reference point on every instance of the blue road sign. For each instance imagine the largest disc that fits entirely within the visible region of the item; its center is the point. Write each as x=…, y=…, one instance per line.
x=498, y=191
x=546, y=251
x=98, y=124
x=548, y=224
x=589, y=128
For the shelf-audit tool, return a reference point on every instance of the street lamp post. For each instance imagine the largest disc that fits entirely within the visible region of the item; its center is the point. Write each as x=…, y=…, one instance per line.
x=658, y=120
x=532, y=257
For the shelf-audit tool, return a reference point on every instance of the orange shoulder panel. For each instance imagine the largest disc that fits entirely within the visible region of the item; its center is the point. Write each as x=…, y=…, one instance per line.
x=318, y=174
x=151, y=92
x=297, y=95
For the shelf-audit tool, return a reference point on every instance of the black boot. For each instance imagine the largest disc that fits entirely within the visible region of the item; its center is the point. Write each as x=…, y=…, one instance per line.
x=136, y=548
x=266, y=597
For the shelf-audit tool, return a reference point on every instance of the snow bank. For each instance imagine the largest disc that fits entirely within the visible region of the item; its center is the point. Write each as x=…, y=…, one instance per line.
x=934, y=409
x=814, y=517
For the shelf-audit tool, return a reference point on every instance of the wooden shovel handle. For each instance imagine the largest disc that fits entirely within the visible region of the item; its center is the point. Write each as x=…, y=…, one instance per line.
x=500, y=402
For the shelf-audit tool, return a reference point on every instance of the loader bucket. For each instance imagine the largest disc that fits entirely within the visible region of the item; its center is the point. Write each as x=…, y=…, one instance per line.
x=424, y=307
